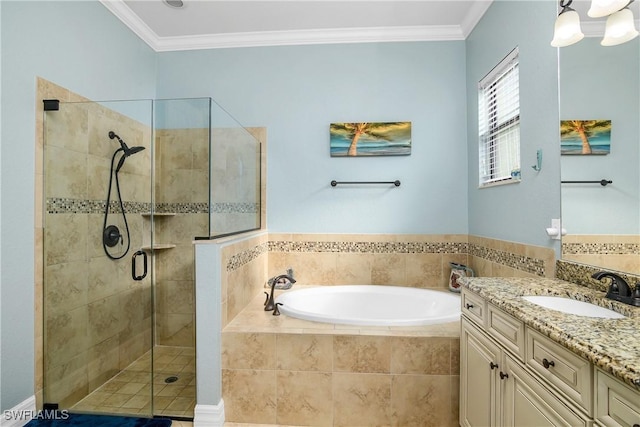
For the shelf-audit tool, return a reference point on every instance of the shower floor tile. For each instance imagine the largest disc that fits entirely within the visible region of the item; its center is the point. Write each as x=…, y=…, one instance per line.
x=130, y=391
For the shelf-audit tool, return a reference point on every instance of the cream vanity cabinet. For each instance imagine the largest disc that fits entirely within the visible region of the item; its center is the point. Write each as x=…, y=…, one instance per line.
x=497, y=385
x=616, y=403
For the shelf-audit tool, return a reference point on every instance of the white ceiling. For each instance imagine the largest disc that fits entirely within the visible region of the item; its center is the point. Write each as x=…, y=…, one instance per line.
x=208, y=24
x=203, y=24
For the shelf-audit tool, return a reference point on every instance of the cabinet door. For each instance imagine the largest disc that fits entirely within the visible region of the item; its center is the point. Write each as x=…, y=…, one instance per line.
x=479, y=390
x=526, y=403
x=617, y=404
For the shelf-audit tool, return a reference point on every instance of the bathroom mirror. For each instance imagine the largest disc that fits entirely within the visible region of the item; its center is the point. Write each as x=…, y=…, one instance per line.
x=602, y=83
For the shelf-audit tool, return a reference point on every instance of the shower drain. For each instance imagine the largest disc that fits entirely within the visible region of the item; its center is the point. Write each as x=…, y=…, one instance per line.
x=170, y=380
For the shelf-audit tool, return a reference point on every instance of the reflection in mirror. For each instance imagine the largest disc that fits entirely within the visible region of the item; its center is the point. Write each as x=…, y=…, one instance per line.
x=602, y=222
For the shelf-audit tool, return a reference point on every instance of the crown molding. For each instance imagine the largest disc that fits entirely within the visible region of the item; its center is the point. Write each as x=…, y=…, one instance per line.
x=474, y=16
x=299, y=37
x=132, y=21
x=309, y=37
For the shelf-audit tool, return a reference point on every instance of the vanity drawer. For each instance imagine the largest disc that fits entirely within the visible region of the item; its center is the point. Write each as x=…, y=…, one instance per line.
x=568, y=372
x=473, y=306
x=507, y=330
x=616, y=403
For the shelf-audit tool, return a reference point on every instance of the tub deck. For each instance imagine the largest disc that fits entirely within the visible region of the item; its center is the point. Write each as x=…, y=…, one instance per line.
x=254, y=319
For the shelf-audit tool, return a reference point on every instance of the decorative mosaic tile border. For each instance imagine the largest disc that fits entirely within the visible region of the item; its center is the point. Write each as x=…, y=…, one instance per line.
x=519, y=262
x=77, y=206
x=182, y=208
x=235, y=208
x=601, y=248
x=244, y=257
x=370, y=247
x=580, y=274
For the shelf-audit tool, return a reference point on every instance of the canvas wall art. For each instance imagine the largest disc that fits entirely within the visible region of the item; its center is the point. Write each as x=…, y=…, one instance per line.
x=370, y=139
x=585, y=137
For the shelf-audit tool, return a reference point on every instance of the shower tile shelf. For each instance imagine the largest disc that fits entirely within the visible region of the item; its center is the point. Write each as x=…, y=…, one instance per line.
x=158, y=246
x=146, y=245
x=148, y=214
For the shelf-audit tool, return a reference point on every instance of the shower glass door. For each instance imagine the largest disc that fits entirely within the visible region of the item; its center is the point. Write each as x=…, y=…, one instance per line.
x=97, y=262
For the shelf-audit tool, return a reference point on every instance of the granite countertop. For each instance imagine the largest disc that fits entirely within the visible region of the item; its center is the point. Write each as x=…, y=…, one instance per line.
x=611, y=344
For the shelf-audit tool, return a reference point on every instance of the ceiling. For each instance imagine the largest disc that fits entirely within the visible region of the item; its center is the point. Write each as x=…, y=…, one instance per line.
x=206, y=24
x=210, y=24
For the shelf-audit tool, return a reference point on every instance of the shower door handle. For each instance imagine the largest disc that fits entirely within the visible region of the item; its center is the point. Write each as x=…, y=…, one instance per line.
x=144, y=265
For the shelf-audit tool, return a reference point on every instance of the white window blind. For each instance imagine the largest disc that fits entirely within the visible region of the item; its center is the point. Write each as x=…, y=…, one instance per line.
x=499, y=123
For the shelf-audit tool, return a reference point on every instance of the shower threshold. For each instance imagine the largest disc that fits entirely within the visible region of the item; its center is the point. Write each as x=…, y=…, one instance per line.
x=129, y=392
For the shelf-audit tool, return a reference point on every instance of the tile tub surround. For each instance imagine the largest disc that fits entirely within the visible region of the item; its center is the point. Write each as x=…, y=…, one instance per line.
x=613, y=345
x=309, y=373
x=617, y=252
x=405, y=260
x=386, y=259
x=500, y=258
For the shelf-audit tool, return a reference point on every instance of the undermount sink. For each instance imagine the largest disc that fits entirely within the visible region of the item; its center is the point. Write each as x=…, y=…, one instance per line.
x=572, y=306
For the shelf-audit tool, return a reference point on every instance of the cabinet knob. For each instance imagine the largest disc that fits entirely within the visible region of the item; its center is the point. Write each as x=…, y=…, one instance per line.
x=503, y=375
x=469, y=306
x=493, y=365
x=547, y=363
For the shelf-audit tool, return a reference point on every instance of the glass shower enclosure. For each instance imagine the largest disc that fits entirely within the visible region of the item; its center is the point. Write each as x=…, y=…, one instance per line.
x=128, y=185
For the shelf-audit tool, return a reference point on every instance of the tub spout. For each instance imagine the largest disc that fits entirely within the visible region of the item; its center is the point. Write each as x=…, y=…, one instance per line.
x=269, y=305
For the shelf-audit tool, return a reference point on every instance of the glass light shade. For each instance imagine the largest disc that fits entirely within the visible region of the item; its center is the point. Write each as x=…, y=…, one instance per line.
x=600, y=8
x=567, y=29
x=620, y=28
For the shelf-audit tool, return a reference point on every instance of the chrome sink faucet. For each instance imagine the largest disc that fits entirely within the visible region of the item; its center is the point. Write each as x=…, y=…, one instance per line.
x=269, y=305
x=619, y=290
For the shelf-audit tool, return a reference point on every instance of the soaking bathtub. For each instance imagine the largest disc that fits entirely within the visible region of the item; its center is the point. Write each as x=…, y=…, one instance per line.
x=371, y=305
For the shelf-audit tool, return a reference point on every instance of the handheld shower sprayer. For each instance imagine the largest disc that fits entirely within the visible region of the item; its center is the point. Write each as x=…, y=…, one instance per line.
x=111, y=235
x=126, y=151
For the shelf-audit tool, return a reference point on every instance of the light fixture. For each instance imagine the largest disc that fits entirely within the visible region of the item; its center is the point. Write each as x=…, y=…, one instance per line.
x=174, y=3
x=620, y=28
x=567, y=28
x=601, y=8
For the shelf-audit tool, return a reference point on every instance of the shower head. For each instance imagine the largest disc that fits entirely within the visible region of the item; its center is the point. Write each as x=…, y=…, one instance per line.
x=126, y=151
x=133, y=150
x=123, y=145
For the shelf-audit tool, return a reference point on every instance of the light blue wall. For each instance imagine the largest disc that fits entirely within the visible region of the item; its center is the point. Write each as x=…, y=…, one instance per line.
x=79, y=45
x=599, y=82
x=518, y=212
x=296, y=92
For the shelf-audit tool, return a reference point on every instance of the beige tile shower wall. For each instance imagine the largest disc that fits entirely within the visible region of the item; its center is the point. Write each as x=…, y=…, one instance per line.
x=260, y=134
x=499, y=258
x=616, y=252
x=181, y=190
x=97, y=320
x=244, y=271
x=235, y=180
x=380, y=259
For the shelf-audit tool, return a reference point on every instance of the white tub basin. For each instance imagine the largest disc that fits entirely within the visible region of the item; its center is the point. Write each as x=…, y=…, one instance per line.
x=571, y=306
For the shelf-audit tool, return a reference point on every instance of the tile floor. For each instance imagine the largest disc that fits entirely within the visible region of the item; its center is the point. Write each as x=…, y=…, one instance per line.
x=129, y=392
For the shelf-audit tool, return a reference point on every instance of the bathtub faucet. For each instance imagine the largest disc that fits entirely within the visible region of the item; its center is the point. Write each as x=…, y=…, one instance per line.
x=269, y=305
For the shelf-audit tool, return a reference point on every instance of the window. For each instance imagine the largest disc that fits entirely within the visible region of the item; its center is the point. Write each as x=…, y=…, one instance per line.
x=499, y=123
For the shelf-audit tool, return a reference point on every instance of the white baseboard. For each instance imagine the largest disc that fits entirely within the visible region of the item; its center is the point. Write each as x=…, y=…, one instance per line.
x=209, y=415
x=19, y=415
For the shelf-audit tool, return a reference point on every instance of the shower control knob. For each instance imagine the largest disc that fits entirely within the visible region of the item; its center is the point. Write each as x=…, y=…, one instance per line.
x=111, y=236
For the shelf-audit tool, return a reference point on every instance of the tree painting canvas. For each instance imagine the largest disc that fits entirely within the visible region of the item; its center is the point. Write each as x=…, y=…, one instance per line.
x=585, y=137
x=370, y=139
